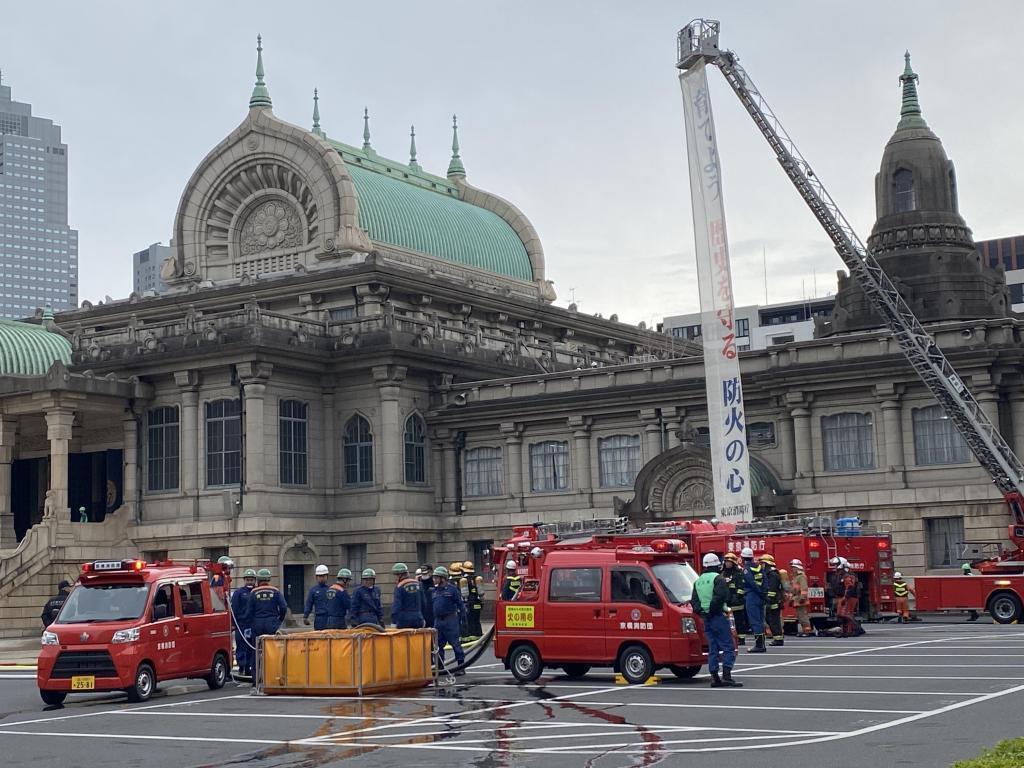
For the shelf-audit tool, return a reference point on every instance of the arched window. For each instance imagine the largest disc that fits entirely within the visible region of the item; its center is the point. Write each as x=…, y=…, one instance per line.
x=936, y=438
x=903, y=191
x=358, y=451
x=415, y=450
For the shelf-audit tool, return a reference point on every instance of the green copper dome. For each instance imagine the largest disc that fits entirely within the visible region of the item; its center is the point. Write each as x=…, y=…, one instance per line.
x=29, y=350
x=412, y=209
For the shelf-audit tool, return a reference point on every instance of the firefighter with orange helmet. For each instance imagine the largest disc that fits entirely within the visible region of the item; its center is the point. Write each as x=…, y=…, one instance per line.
x=474, y=602
x=732, y=572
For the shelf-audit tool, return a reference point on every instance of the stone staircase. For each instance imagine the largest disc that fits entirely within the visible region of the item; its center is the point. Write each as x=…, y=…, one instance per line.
x=53, y=550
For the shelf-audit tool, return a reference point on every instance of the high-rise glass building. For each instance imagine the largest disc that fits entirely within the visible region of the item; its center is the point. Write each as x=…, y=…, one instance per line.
x=38, y=250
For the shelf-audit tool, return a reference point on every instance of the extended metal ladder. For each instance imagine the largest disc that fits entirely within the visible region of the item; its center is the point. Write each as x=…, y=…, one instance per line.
x=698, y=41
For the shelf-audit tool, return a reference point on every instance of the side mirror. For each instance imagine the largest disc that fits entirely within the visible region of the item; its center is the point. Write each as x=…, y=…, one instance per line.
x=159, y=612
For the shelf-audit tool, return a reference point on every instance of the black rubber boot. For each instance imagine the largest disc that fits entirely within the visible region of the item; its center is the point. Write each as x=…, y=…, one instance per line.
x=758, y=645
x=716, y=681
x=778, y=641
x=727, y=680
x=741, y=640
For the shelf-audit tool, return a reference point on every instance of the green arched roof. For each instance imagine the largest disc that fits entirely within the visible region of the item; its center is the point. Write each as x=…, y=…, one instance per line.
x=761, y=478
x=421, y=212
x=27, y=349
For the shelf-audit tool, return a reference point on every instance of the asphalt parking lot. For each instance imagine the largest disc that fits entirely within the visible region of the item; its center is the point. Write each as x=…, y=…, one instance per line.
x=911, y=695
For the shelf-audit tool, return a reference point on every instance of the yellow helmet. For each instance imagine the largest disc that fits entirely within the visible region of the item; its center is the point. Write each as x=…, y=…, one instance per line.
x=783, y=571
x=732, y=557
x=467, y=567
x=766, y=558
x=455, y=569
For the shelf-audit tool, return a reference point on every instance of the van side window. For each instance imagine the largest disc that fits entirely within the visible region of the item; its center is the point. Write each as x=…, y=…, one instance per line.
x=631, y=586
x=164, y=597
x=191, y=598
x=575, y=585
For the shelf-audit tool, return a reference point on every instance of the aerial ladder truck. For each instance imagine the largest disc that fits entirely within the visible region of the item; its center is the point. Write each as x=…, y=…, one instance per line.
x=1000, y=589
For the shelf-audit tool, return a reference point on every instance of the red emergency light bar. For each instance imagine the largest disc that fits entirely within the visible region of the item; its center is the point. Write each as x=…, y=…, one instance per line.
x=668, y=545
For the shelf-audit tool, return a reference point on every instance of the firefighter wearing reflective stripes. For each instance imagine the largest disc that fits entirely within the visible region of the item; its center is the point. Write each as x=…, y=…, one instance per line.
x=774, y=594
x=732, y=572
x=753, y=583
x=474, y=602
x=513, y=582
x=902, y=590
x=710, y=595
x=799, y=599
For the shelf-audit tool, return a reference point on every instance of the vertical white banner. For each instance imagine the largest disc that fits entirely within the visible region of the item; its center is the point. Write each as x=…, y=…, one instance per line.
x=726, y=417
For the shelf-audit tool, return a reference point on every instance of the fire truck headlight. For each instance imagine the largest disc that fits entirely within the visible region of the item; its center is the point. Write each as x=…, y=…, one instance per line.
x=49, y=639
x=689, y=626
x=125, y=636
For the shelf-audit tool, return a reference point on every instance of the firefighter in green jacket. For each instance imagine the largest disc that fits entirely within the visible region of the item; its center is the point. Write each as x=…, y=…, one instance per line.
x=710, y=594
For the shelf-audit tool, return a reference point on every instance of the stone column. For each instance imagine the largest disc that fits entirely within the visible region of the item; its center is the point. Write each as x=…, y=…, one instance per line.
x=892, y=415
x=59, y=423
x=988, y=399
x=8, y=428
x=449, y=473
x=190, y=438
x=803, y=451
x=388, y=379
x=130, y=481
x=329, y=441
x=582, y=479
x=513, y=458
x=437, y=470
x=786, y=446
x=254, y=377
x=652, y=433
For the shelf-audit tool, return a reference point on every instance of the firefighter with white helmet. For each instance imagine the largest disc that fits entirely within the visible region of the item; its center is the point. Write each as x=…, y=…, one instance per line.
x=316, y=600
x=798, y=597
x=513, y=582
x=710, y=595
x=902, y=591
x=755, y=597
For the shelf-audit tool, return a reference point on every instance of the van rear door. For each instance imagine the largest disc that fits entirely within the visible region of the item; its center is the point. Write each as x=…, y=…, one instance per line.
x=574, y=616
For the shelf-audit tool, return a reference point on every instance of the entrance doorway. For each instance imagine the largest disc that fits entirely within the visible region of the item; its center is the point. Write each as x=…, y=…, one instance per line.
x=95, y=482
x=29, y=480
x=295, y=588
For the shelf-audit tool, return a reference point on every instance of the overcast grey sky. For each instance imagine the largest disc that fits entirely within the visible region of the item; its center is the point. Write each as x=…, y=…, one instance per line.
x=571, y=109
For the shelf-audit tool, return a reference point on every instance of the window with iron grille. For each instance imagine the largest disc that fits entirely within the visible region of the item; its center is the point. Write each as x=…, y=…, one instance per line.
x=415, y=450
x=936, y=438
x=292, y=431
x=848, y=442
x=619, y=460
x=358, y=451
x=162, y=448
x=223, y=442
x=484, y=471
x=549, y=466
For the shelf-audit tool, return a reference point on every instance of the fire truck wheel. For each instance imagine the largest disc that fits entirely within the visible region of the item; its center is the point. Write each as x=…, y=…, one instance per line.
x=1005, y=608
x=575, y=671
x=218, y=672
x=524, y=661
x=145, y=684
x=53, y=698
x=683, y=673
x=635, y=664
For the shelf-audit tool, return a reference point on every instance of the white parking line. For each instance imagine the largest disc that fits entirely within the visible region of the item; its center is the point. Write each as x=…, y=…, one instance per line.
x=887, y=677
x=116, y=711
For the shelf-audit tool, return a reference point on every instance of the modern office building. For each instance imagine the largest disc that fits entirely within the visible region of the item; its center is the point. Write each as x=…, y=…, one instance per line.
x=1008, y=253
x=761, y=326
x=146, y=269
x=38, y=250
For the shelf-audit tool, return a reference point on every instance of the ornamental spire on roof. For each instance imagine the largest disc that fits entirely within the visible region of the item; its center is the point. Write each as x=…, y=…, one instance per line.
x=260, y=95
x=316, y=113
x=366, y=128
x=455, y=167
x=910, y=112
x=412, y=149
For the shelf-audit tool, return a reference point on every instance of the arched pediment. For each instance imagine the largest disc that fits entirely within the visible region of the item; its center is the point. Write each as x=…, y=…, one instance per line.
x=271, y=197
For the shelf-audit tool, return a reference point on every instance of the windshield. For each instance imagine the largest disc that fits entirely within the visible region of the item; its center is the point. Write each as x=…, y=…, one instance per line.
x=104, y=602
x=677, y=580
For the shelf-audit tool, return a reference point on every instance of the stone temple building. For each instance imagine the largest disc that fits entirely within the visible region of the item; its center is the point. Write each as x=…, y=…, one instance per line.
x=359, y=362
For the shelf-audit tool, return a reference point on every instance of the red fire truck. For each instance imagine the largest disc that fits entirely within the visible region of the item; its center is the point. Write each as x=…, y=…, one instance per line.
x=589, y=600
x=128, y=624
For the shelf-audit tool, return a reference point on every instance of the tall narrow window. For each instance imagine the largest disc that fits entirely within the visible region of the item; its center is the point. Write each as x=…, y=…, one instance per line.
x=292, y=428
x=903, y=191
x=619, y=460
x=358, y=452
x=549, y=466
x=848, y=442
x=415, y=450
x=945, y=537
x=223, y=442
x=162, y=449
x=484, y=471
x=936, y=438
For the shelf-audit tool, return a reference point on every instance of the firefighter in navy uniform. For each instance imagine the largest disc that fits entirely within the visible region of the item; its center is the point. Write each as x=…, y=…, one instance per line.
x=425, y=573
x=366, y=607
x=513, y=581
x=710, y=595
x=316, y=600
x=407, y=603
x=474, y=602
x=774, y=596
x=265, y=609
x=753, y=583
x=732, y=572
x=55, y=603
x=338, y=601
x=243, y=632
x=448, y=612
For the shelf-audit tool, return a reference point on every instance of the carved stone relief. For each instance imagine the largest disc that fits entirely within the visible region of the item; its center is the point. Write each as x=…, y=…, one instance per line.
x=269, y=226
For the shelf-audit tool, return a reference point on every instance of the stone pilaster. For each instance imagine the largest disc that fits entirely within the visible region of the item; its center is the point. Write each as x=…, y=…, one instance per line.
x=330, y=444
x=191, y=438
x=438, y=470
x=254, y=377
x=388, y=379
x=652, y=433
x=8, y=429
x=581, y=480
x=787, y=446
x=130, y=480
x=803, y=478
x=893, y=460
x=988, y=399
x=513, y=459
x=59, y=424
